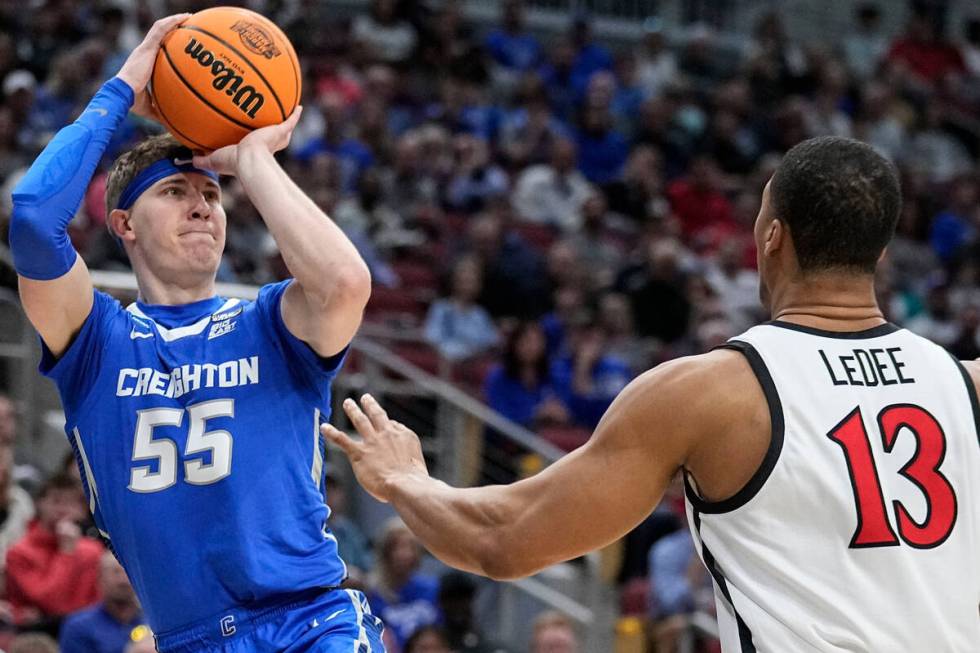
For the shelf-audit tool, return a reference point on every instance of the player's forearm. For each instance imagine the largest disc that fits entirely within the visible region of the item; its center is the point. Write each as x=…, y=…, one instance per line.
x=317, y=253
x=467, y=528
x=46, y=199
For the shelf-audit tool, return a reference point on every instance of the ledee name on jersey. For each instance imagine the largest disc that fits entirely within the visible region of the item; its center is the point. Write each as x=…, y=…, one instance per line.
x=866, y=367
x=187, y=378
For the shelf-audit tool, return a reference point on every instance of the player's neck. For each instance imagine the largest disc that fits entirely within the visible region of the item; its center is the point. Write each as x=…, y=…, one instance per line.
x=153, y=290
x=831, y=301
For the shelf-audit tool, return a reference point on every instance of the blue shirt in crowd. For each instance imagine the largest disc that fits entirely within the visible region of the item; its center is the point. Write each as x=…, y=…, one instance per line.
x=96, y=631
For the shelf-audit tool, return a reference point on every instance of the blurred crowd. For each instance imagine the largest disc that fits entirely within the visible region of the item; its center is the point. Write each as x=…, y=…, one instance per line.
x=551, y=212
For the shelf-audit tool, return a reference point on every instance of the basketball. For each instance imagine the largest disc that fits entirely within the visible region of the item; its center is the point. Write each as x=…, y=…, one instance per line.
x=224, y=72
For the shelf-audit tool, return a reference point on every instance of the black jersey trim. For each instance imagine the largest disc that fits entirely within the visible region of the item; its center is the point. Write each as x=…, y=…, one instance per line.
x=873, y=332
x=744, y=632
x=761, y=475
x=971, y=390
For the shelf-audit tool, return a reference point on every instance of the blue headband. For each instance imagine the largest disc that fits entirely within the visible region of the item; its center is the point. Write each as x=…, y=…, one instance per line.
x=154, y=173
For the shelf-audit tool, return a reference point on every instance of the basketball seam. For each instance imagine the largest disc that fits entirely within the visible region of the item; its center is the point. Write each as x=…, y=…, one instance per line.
x=200, y=97
x=170, y=125
x=245, y=59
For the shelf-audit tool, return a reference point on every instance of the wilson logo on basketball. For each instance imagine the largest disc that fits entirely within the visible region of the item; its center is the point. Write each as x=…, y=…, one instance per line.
x=226, y=79
x=256, y=39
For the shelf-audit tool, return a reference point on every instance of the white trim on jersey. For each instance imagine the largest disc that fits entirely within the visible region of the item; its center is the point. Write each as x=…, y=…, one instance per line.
x=93, y=489
x=169, y=335
x=317, y=470
x=362, y=638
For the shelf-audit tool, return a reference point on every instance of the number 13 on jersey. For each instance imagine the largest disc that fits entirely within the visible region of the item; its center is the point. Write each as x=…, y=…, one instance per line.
x=874, y=529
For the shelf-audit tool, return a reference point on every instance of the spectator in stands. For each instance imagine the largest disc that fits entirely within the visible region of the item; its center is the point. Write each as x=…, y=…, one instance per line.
x=868, y=45
x=108, y=626
x=340, y=139
x=553, y=633
x=54, y=569
x=878, y=121
x=954, y=227
x=553, y=193
x=590, y=56
x=512, y=48
x=383, y=34
x=936, y=322
x=405, y=599
x=933, y=150
x=588, y=379
x=33, y=643
x=478, y=180
x=16, y=507
x=520, y=388
x=457, y=592
x=456, y=325
x=736, y=286
x=679, y=586
x=530, y=133
x=704, y=211
x=514, y=283
x=602, y=150
x=656, y=64
x=427, y=639
x=615, y=316
x=922, y=56
x=656, y=289
x=352, y=544
x=966, y=345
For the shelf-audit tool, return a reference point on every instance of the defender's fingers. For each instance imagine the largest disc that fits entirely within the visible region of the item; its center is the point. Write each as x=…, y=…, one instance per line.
x=358, y=418
x=374, y=411
x=339, y=438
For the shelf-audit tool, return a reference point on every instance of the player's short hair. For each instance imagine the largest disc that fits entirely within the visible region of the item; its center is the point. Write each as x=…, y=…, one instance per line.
x=132, y=162
x=841, y=201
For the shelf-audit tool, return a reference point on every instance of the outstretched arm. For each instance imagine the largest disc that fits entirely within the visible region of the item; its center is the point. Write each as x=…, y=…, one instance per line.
x=586, y=500
x=55, y=287
x=324, y=305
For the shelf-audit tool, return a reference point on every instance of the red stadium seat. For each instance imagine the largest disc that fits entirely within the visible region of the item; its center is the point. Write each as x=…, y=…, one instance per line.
x=539, y=236
x=395, y=304
x=634, y=597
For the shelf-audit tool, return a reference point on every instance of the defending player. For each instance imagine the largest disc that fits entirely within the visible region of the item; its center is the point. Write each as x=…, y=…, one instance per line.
x=832, y=460
x=194, y=417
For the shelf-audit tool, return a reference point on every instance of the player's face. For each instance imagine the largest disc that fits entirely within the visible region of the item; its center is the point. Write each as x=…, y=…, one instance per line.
x=179, y=225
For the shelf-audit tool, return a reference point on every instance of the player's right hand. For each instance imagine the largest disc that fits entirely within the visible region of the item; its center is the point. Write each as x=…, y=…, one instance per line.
x=387, y=449
x=138, y=68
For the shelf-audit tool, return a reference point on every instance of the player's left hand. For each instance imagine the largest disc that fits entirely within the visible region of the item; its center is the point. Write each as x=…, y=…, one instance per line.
x=269, y=140
x=387, y=449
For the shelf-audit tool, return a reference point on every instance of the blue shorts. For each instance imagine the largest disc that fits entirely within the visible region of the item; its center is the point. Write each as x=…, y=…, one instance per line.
x=334, y=621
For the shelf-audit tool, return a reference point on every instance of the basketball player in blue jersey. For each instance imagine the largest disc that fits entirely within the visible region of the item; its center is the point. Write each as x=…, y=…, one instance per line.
x=195, y=418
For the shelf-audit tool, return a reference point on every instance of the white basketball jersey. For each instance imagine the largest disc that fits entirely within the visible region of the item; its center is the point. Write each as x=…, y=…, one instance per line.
x=860, y=531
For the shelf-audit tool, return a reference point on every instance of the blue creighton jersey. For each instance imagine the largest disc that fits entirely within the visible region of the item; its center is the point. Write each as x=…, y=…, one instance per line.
x=196, y=429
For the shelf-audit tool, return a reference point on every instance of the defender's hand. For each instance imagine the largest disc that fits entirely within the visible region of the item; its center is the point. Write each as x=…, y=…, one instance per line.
x=386, y=450
x=267, y=140
x=139, y=66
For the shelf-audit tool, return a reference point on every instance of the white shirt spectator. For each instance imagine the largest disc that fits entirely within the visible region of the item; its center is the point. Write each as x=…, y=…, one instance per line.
x=545, y=197
x=391, y=43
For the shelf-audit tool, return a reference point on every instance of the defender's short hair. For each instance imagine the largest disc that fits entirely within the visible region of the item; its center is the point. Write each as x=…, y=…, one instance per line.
x=841, y=201
x=131, y=163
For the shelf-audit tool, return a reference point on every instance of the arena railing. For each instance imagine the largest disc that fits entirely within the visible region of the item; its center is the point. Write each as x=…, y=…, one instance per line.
x=453, y=425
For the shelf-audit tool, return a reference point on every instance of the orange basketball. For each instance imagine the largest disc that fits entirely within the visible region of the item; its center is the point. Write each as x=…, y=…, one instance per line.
x=224, y=72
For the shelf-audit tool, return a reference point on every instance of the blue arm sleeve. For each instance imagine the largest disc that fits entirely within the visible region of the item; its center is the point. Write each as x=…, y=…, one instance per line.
x=49, y=194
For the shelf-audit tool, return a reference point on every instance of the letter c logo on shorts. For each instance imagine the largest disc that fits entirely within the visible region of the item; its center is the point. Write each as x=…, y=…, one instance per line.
x=228, y=626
